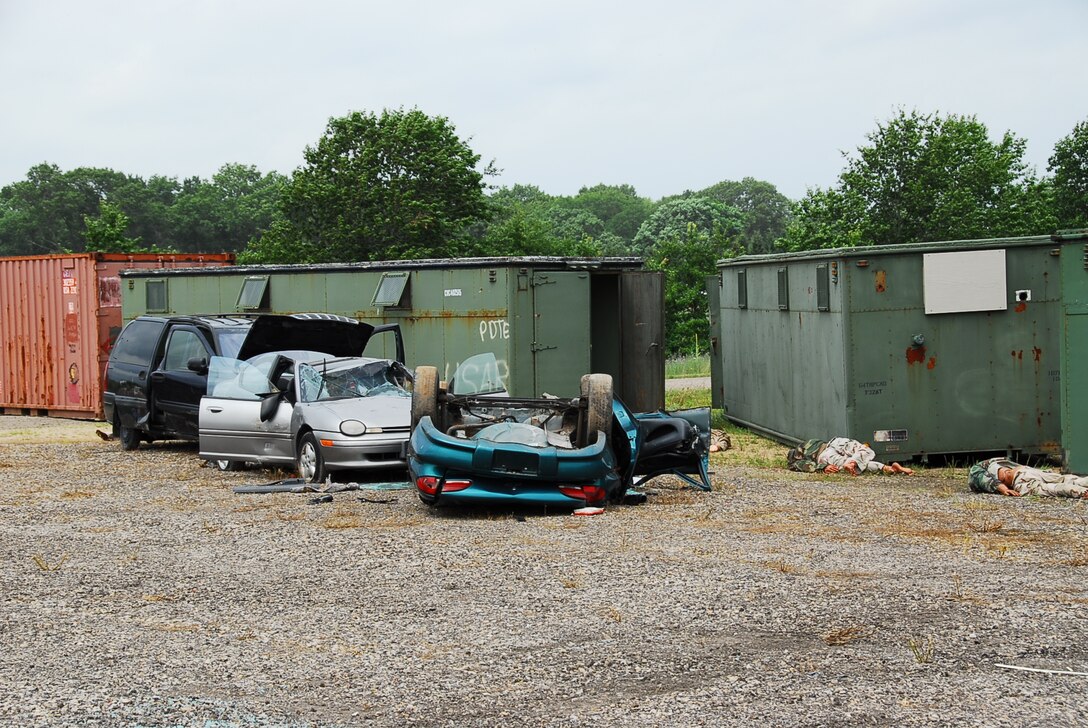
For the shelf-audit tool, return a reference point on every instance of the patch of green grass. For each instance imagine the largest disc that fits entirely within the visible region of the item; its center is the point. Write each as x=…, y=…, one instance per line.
x=678, y=399
x=687, y=366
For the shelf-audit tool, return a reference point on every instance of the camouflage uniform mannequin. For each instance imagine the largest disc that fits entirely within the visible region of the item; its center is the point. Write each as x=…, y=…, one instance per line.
x=998, y=475
x=839, y=454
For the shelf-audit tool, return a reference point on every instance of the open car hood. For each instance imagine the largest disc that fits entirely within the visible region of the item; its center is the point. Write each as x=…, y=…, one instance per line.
x=323, y=332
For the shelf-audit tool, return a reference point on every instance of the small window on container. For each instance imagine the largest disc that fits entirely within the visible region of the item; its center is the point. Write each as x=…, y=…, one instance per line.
x=783, y=289
x=823, y=288
x=254, y=294
x=742, y=289
x=156, y=296
x=392, y=290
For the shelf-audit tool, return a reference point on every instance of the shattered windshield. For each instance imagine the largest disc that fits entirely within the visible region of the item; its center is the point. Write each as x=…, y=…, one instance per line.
x=349, y=378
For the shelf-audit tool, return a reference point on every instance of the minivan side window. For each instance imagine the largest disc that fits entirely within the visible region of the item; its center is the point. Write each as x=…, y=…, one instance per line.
x=183, y=346
x=136, y=344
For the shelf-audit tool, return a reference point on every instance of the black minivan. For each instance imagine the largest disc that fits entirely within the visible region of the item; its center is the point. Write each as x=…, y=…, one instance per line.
x=158, y=368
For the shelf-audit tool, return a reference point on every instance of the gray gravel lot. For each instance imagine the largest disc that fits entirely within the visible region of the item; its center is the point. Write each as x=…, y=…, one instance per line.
x=137, y=589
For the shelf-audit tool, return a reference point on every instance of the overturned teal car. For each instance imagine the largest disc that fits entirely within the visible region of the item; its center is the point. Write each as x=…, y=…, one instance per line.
x=474, y=444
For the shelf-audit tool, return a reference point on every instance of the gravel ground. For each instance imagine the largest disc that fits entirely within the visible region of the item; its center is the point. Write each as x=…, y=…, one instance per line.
x=137, y=589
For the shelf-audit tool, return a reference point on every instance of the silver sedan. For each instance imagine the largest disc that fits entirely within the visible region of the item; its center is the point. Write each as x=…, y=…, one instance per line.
x=306, y=409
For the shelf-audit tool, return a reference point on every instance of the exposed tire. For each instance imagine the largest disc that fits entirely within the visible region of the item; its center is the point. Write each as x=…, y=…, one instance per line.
x=229, y=466
x=597, y=395
x=311, y=466
x=425, y=396
x=128, y=436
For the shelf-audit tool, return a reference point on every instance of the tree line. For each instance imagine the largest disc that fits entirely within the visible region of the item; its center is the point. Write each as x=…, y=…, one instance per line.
x=403, y=185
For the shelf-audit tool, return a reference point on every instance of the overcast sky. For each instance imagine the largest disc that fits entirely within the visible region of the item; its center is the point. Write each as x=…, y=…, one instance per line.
x=666, y=96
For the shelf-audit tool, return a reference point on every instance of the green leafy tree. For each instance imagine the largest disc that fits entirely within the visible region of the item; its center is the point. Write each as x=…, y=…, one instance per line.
x=44, y=213
x=237, y=205
x=672, y=220
x=685, y=238
x=106, y=232
x=1069, y=165
x=396, y=185
x=824, y=219
x=766, y=211
x=924, y=178
x=619, y=209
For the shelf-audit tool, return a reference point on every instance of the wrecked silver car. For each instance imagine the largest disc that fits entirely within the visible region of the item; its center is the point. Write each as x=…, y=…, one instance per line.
x=306, y=409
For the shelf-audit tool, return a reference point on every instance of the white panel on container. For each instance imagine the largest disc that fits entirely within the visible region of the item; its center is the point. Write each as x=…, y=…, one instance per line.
x=970, y=280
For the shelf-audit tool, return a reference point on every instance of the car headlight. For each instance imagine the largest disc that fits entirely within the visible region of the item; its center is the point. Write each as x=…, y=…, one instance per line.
x=352, y=428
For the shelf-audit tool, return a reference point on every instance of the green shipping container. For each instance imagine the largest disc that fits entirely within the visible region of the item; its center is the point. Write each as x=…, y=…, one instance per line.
x=1074, y=334
x=547, y=320
x=924, y=349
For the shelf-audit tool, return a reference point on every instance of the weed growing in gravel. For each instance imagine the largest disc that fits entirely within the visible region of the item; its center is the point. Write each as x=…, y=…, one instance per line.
x=783, y=566
x=844, y=636
x=209, y=527
x=77, y=494
x=46, y=565
x=570, y=582
x=152, y=598
x=612, y=614
x=922, y=649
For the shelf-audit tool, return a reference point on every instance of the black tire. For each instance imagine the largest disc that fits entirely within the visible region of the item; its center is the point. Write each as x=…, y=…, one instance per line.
x=425, y=396
x=129, y=437
x=229, y=466
x=597, y=395
x=311, y=466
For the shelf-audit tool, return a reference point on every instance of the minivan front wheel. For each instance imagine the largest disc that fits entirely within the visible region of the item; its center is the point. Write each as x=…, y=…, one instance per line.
x=129, y=436
x=311, y=466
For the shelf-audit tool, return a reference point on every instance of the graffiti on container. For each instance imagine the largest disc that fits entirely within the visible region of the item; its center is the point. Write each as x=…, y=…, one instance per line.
x=485, y=378
x=494, y=329
x=109, y=291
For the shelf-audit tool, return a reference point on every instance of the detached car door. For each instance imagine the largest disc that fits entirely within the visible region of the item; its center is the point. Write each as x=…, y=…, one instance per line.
x=244, y=416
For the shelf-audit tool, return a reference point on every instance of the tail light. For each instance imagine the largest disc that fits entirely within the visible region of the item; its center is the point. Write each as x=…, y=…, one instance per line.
x=591, y=494
x=429, y=485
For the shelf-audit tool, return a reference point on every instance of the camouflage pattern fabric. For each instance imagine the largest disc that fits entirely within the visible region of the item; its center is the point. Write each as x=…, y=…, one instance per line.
x=802, y=459
x=981, y=481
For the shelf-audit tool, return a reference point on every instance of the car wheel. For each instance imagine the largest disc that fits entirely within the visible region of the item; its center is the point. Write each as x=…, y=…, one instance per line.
x=129, y=437
x=425, y=396
x=229, y=466
x=311, y=466
x=597, y=394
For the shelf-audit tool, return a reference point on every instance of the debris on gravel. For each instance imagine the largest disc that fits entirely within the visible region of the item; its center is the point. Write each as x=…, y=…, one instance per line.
x=137, y=589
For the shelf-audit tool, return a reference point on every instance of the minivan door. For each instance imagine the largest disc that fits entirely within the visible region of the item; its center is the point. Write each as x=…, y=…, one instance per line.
x=175, y=388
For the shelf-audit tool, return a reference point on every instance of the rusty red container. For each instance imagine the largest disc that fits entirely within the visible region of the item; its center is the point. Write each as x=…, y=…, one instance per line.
x=59, y=317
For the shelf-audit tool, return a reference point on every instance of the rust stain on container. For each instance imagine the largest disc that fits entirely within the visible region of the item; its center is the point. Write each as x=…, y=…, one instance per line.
x=881, y=281
x=916, y=354
x=59, y=317
x=931, y=363
x=1017, y=354
x=1037, y=353
x=1021, y=307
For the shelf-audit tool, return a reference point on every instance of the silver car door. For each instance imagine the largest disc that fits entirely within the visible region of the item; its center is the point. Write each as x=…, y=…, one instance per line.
x=230, y=416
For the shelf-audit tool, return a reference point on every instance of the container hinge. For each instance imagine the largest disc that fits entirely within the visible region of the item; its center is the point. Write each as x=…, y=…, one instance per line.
x=539, y=347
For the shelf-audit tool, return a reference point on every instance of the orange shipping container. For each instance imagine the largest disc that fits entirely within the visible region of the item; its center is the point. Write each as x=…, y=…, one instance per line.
x=59, y=317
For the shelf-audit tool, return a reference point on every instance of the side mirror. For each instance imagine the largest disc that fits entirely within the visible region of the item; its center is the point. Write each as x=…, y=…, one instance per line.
x=198, y=364
x=269, y=404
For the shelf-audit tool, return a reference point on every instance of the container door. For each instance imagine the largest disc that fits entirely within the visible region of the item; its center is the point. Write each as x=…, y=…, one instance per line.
x=713, y=293
x=561, y=345
x=642, y=296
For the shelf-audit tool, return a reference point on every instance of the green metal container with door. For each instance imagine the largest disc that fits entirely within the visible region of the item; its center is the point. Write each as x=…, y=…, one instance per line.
x=548, y=320
x=924, y=349
x=1074, y=331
